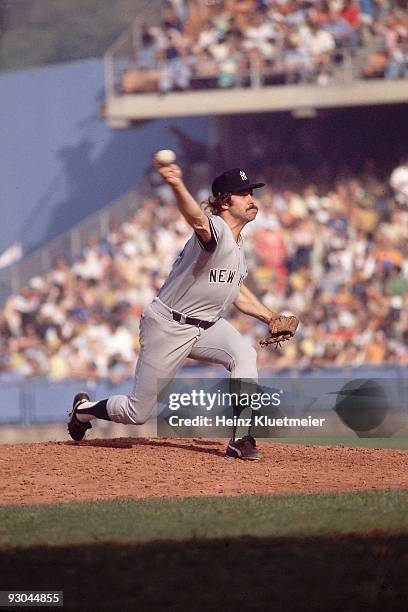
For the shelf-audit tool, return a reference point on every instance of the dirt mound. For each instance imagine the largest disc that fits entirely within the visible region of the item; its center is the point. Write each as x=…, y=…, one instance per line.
x=140, y=468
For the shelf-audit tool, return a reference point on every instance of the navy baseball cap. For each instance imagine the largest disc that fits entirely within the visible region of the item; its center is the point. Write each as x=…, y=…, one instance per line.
x=233, y=181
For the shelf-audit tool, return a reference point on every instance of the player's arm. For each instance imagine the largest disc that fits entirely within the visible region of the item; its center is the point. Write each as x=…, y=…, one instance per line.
x=248, y=303
x=187, y=205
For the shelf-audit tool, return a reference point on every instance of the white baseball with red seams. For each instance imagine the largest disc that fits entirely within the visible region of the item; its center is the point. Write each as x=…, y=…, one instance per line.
x=165, y=157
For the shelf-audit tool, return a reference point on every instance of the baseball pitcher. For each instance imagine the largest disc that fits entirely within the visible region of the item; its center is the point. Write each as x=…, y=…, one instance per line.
x=186, y=319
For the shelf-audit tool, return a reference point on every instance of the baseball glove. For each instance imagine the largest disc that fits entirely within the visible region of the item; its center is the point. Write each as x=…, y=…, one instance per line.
x=280, y=328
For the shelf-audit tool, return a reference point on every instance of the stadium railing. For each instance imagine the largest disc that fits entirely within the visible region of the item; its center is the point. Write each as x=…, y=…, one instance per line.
x=120, y=64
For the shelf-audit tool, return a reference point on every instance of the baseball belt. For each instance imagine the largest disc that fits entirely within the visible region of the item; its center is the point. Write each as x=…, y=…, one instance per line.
x=191, y=320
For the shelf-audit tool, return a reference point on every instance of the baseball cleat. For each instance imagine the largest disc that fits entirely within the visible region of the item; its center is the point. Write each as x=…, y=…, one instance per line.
x=77, y=429
x=243, y=448
x=250, y=439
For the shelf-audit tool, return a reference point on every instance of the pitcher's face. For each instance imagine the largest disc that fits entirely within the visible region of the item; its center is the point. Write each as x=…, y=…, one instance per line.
x=243, y=206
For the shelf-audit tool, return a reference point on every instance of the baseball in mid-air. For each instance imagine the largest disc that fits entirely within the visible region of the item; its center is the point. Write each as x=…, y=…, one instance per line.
x=165, y=157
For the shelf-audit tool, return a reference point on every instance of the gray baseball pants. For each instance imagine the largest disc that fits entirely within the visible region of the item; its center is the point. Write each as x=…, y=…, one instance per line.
x=165, y=346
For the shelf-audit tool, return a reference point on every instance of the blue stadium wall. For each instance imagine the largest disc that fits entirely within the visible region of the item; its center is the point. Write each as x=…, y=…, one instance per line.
x=59, y=161
x=36, y=401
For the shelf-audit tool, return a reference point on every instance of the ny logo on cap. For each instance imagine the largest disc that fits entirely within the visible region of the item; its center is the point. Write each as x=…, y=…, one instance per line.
x=243, y=175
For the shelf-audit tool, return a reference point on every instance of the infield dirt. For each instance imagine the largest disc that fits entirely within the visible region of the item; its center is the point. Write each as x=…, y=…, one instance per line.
x=147, y=468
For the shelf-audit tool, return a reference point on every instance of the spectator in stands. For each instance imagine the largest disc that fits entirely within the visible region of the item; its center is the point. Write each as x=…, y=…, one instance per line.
x=261, y=36
x=220, y=17
x=283, y=41
x=175, y=69
x=351, y=14
x=399, y=182
x=296, y=61
x=340, y=29
x=172, y=19
x=367, y=17
x=229, y=69
x=146, y=54
x=180, y=9
x=208, y=36
x=319, y=44
x=396, y=66
x=205, y=71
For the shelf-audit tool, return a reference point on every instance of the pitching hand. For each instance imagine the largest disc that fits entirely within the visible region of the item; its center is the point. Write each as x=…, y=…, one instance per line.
x=171, y=174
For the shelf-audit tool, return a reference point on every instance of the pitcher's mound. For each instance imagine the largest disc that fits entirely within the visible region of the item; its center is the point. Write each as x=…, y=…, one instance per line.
x=140, y=468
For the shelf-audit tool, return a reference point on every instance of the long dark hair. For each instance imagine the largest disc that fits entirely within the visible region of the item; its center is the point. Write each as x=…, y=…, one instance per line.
x=214, y=203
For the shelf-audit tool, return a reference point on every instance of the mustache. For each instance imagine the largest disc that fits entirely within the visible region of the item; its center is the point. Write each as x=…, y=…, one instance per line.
x=252, y=206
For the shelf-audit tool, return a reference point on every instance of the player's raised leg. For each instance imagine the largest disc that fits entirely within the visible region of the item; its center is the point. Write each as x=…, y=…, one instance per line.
x=165, y=345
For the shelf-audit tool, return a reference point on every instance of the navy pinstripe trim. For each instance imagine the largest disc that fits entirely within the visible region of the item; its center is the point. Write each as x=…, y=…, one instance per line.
x=212, y=244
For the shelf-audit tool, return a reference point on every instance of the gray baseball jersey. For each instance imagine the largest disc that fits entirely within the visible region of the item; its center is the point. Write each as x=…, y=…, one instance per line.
x=205, y=278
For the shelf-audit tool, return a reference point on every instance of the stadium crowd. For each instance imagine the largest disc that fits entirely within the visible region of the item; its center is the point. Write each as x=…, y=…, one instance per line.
x=236, y=42
x=334, y=252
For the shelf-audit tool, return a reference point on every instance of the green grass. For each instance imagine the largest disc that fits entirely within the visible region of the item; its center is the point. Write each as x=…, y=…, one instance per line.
x=200, y=518
x=322, y=552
